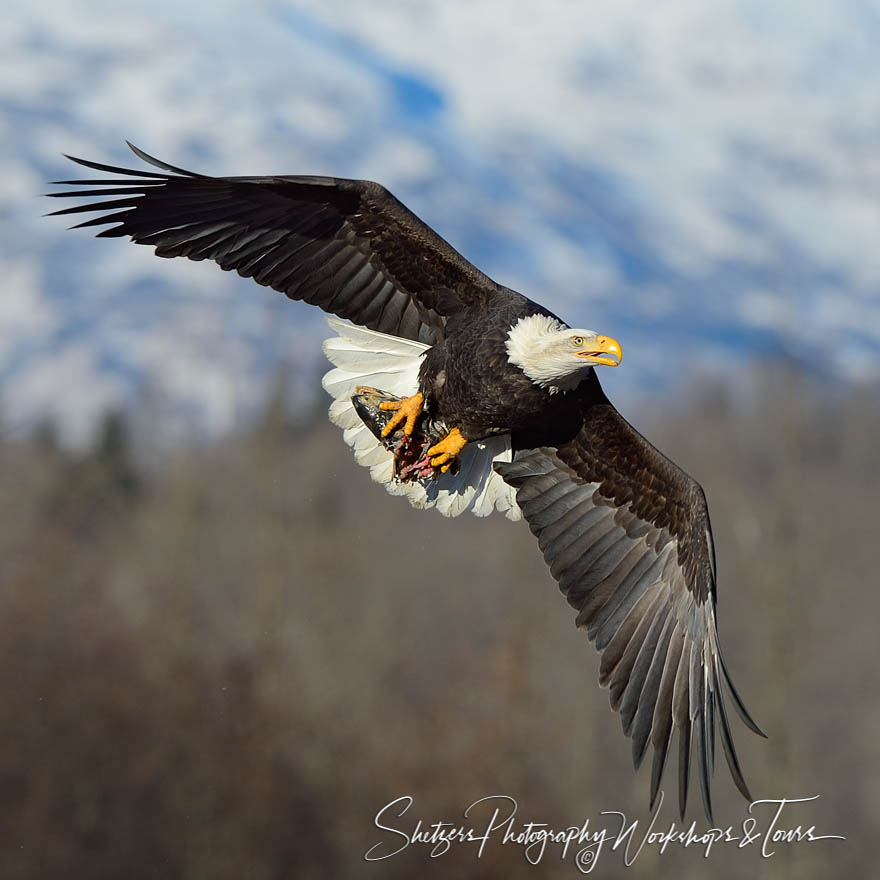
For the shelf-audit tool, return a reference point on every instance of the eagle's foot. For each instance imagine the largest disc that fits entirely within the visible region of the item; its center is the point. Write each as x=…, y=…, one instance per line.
x=407, y=410
x=443, y=453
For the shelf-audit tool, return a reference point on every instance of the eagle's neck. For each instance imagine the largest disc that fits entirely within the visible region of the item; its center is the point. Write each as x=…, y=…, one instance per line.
x=530, y=346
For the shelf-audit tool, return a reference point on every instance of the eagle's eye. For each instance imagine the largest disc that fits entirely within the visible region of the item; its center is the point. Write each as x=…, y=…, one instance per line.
x=577, y=340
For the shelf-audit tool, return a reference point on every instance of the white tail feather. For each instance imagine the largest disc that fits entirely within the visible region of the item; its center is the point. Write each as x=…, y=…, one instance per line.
x=365, y=357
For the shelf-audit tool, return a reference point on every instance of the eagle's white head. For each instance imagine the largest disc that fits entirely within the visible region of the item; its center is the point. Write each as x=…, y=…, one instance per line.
x=555, y=356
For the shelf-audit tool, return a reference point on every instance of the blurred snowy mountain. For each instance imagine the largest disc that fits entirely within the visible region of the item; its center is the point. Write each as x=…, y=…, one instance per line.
x=700, y=180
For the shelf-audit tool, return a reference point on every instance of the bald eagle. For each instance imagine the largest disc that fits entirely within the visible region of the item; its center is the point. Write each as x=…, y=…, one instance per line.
x=462, y=394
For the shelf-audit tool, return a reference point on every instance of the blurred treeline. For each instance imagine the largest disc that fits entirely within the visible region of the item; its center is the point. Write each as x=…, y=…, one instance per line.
x=224, y=665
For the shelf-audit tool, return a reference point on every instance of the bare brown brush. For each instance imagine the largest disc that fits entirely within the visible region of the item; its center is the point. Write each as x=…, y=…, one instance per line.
x=215, y=670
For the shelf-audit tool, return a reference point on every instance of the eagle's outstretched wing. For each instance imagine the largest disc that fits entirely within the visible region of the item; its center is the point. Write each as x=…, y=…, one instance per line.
x=347, y=246
x=626, y=534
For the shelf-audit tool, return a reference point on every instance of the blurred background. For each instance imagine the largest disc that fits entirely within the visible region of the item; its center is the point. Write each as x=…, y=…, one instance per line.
x=208, y=668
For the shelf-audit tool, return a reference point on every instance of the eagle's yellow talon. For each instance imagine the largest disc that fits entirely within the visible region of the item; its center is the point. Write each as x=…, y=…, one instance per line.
x=442, y=453
x=409, y=409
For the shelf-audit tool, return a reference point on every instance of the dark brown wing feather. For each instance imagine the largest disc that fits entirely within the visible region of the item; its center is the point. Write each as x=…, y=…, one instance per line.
x=626, y=534
x=347, y=246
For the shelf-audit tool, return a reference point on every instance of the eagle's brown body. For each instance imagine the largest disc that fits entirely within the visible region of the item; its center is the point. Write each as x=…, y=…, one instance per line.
x=468, y=381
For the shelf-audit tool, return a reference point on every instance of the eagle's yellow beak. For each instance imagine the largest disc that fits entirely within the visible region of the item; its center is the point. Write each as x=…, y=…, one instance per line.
x=603, y=350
